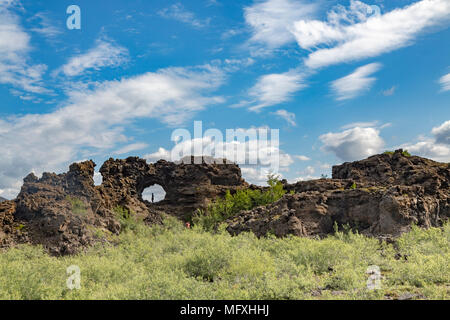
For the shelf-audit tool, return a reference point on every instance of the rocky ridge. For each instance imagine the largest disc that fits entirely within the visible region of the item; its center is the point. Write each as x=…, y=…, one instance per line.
x=379, y=196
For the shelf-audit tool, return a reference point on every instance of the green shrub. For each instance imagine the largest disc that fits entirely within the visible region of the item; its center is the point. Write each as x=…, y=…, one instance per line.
x=246, y=199
x=127, y=219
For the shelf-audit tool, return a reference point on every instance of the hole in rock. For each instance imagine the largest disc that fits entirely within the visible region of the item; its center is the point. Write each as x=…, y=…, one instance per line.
x=98, y=178
x=157, y=191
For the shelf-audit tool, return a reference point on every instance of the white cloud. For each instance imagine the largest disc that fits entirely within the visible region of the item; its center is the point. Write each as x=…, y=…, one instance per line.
x=361, y=32
x=355, y=83
x=15, y=68
x=241, y=152
x=161, y=154
x=104, y=54
x=131, y=147
x=429, y=149
x=273, y=89
x=270, y=20
x=436, y=148
x=389, y=92
x=445, y=82
x=94, y=121
x=309, y=171
x=442, y=133
x=286, y=115
x=179, y=13
x=360, y=124
x=303, y=178
x=46, y=27
x=302, y=158
x=353, y=144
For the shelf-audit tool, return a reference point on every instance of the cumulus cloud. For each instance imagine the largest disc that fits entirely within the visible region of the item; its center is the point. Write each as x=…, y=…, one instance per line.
x=361, y=31
x=289, y=117
x=445, y=82
x=104, y=54
x=355, y=83
x=255, y=157
x=161, y=154
x=442, y=133
x=353, y=144
x=15, y=67
x=95, y=120
x=428, y=148
x=437, y=147
x=273, y=89
x=270, y=20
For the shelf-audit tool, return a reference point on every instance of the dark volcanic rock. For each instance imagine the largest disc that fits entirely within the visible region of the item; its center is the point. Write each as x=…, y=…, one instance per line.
x=392, y=192
x=397, y=169
x=64, y=211
x=187, y=186
x=381, y=195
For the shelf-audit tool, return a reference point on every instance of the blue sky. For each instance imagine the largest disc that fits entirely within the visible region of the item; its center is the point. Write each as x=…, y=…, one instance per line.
x=341, y=80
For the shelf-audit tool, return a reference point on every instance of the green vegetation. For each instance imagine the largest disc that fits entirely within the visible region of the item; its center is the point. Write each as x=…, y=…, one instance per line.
x=78, y=206
x=405, y=153
x=246, y=199
x=353, y=186
x=174, y=262
x=127, y=219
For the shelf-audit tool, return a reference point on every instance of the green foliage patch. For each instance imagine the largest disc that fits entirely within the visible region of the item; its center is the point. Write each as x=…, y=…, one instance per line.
x=224, y=208
x=174, y=262
x=78, y=206
x=405, y=153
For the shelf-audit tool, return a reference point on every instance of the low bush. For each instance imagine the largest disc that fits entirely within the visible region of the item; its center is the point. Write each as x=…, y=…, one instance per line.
x=245, y=199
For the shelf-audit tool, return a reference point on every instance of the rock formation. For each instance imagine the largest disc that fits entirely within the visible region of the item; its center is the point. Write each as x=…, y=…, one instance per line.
x=64, y=212
x=381, y=195
x=2, y=199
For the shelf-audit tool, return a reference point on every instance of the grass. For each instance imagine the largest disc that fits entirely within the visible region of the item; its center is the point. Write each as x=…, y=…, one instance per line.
x=78, y=206
x=173, y=262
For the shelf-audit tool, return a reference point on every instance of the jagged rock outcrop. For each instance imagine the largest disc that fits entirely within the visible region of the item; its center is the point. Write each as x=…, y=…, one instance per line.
x=188, y=186
x=2, y=199
x=381, y=195
x=65, y=212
